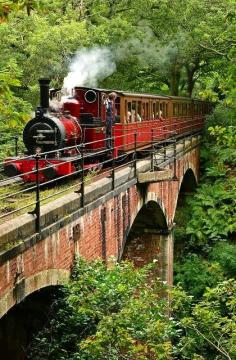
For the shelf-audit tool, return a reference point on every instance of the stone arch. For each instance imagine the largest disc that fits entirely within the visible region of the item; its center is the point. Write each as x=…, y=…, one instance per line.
x=151, y=197
x=27, y=286
x=187, y=184
x=147, y=237
x=151, y=216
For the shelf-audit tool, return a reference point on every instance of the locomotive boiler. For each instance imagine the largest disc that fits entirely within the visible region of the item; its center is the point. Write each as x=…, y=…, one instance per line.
x=48, y=131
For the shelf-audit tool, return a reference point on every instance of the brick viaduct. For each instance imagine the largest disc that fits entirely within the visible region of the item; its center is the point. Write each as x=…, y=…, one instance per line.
x=135, y=220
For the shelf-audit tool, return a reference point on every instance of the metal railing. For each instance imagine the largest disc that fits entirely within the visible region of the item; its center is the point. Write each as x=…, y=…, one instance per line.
x=110, y=164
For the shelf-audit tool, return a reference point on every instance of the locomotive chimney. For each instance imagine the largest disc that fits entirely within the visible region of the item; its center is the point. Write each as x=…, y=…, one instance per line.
x=44, y=93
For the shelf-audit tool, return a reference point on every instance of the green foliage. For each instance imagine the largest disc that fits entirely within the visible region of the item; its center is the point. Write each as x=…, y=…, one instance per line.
x=213, y=213
x=110, y=314
x=223, y=115
x=224, y=136
x=195, y=274
x=14, y=111
x=118, y=313
x=209, y=331
x=224, y=253
x=213, y=207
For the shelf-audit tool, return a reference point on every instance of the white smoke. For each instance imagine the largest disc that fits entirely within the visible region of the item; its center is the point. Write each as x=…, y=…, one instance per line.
x=89, y=66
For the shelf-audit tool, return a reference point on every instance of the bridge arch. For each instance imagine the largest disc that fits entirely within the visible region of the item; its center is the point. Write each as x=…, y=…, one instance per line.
x=25, y=287
x=147, y=238
x=189, y=181
x=23, y=321
x=187, y=185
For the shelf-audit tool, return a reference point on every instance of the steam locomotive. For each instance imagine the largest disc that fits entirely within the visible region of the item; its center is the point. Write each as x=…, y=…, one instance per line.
x=57, y=133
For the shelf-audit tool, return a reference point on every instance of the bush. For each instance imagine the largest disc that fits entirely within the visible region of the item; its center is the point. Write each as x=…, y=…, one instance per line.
x=223, y=115
x=225, y=254
x=195, y=274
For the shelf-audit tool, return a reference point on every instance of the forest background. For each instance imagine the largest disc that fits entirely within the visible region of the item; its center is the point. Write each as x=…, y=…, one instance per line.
x=173, y=47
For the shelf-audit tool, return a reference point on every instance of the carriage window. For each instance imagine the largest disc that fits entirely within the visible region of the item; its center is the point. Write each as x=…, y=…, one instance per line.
x=134, y=111
x=178, y=111
x=147, y=111
x=154, y=110
x=117, y=105
x=166, y=110
x=157, y=108
x=139, y=113
x=163, y=109
x=174, y=109
x=129, y=108
x=185, y=109
x=143, y=111
x=189, y=109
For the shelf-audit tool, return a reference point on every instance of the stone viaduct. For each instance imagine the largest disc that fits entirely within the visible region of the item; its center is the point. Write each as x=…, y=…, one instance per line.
x=135, y=220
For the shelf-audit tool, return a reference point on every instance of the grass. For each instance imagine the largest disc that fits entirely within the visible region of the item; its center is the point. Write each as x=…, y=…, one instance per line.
x=28, y=197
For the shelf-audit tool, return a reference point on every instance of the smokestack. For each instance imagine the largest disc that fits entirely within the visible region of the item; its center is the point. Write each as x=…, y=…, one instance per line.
x=44, y=93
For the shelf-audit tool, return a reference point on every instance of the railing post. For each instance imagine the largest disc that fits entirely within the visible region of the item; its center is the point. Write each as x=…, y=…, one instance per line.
x=113, y=169
x=82, y=174
x=174, y=175
x=152, y=152
x=37, y=207
x=16, y=145
x=135, y=154
x=165, y=151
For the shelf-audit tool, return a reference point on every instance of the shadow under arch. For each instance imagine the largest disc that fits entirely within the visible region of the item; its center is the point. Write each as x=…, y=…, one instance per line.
x=150, y=217
x=20, y=324
x=182, y=212
x=145, y=241
x=189, y=182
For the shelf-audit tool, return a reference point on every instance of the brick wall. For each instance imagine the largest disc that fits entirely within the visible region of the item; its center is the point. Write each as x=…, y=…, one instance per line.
x=100, y=232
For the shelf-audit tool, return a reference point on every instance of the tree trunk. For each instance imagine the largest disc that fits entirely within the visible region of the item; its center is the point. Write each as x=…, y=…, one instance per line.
x=190, y=77
x=174, y=80
x=28, y=8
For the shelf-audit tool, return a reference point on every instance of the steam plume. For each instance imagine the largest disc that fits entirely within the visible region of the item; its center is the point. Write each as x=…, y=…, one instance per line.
x=89, y=66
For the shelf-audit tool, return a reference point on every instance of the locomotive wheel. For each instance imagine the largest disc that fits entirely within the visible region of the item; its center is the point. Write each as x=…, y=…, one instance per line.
x=11, y=170
x=49, y=173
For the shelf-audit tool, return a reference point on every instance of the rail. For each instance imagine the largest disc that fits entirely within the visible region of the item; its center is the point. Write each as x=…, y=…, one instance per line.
x=109, y=164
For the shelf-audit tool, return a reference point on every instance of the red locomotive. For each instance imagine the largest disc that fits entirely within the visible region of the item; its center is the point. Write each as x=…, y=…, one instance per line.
x=56, y=135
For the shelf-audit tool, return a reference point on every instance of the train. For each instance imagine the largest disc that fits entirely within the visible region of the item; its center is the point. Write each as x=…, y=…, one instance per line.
x=56, y=133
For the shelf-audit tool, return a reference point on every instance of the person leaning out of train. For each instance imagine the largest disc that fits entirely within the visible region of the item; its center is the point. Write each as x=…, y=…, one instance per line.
x=128, y=117
x=110, y=117
x=139, y=117
x=159, y=116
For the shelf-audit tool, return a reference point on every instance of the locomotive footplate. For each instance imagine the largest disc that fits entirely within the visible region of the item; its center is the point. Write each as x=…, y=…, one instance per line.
x=50, y=168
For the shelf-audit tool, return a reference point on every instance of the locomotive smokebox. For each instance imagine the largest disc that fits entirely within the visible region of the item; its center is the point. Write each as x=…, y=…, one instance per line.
x=44, y=93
